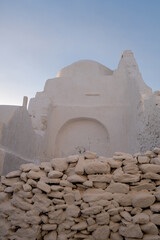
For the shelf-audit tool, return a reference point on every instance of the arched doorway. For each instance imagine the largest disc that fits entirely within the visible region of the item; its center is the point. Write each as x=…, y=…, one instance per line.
x=81, y=134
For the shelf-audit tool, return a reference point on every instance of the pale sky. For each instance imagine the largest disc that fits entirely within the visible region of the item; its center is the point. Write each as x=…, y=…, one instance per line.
x=39, y=37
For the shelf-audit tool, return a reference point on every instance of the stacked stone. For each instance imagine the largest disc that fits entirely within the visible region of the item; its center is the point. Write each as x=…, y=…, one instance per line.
x=83, y=197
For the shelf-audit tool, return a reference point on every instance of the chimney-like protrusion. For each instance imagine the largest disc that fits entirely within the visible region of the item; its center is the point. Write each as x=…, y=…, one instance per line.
x=25, y=101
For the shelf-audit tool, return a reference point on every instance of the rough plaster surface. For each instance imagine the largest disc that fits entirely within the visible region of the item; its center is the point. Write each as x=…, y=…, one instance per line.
x=83, y=197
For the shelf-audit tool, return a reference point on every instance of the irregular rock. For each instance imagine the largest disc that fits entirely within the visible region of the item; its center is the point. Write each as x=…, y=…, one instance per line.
x=155, y=207
x=150, y=228
x=29, y=166
x=126, y=216
x=118, y=188
x=151, y=237
x=150, y=168
x=49, y=227
x=79, y=226
x=44, y=187
x=20, y=203
x=35, y=175
x=101, y=233
x=102, y=218
x=13, y=174
x=131, y=230
x=79, y=169
x=119, y=176
x=143, y=199
x=96, y=167
x=76, y=179
x=55, y=174
x=143, y=159
x=51, y=236
x=72, y=211
x=72, y=159
x=141, y=218
x=59, y=164
x=90, y=155
x=92, y=210
x=104, y=178
x=155, y=218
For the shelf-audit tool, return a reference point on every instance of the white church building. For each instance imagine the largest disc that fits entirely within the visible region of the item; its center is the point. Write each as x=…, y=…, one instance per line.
x=86, y=107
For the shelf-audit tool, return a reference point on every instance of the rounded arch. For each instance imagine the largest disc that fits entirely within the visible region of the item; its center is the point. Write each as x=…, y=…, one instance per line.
x=80, y=134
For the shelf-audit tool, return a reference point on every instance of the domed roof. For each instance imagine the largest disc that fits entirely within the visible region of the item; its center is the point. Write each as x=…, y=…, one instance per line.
x=84, y=67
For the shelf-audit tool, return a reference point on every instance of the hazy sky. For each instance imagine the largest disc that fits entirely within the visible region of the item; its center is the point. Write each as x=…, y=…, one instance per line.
x=39, y=37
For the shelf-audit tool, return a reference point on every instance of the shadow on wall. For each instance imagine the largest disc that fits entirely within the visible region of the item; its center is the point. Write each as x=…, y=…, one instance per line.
x=81, y=134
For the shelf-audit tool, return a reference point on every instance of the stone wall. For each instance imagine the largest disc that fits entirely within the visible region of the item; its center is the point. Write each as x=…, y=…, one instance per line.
x=83, y=197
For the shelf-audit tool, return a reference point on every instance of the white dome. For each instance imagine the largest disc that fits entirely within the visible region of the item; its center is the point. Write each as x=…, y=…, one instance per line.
x=84, y=67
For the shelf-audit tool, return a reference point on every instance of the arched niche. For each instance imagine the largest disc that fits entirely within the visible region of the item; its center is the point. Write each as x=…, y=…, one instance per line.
x=81, y=134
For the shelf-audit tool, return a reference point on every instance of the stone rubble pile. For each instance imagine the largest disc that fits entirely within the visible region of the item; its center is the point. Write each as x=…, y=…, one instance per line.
x=83, y=197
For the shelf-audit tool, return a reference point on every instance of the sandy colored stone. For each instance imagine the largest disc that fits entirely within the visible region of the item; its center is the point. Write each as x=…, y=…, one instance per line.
x=155, y=218
x=88, y=184
x=27, y=187
x=69, y=198
x=56, y=217
x=92, y=227
x=120, y=176
x=150, y=228
x=35, y=175
x=28, y=233
x=152, y=176
x=155, y=207
x=118, y=188
x=59, y=164
x=79, y=169
x=143, y=199
x=144, y=186
x=77, y=179
x=32, y=182
x=96, y=167
x=72, y=159
x=143, y=159
x=77, y=195
x=9, y=181
x=131, y=230
x=90, y=155
x=100, y=185
x=44, y=187
x=101, y=233
x=102, y=218
x=113, y=226
x=55, y=174
x=150, y=168
x=151, y=237
x=131, y=168
x=49, y=227
x=123, y=199
x=29, y=166
x=20, y=203
x=114, y=211
x=116, y=236
x=92, y=195
x=72, y=211
x=156, y=150
x=155, y=161
x=141, y=218
x=55, y=194
x=92, y=210
x=13, y=174
x=104, y=178
x=51, y=236
x=79, y=226
x=126, y=216
x=114, y=163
